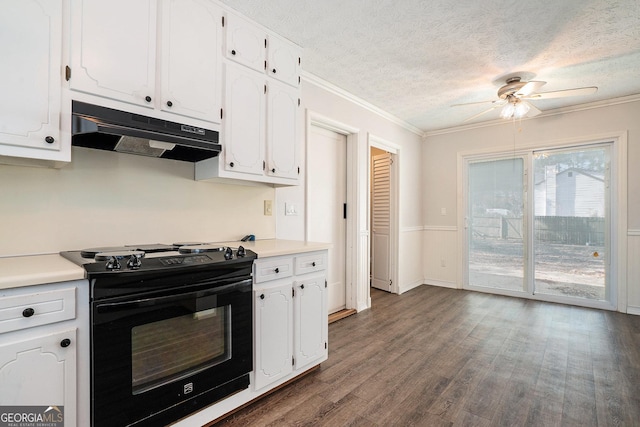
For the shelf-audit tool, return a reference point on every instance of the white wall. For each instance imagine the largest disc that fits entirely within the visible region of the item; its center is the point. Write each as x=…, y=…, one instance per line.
x=440, y=180
x=326, y=103
x=106, y=198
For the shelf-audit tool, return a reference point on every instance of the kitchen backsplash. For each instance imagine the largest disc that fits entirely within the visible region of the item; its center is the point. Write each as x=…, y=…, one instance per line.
x=107, y=198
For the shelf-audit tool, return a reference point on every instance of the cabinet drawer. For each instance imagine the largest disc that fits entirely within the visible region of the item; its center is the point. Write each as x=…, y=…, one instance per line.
x=315, y=261
x=272, y=269
x=35, y=309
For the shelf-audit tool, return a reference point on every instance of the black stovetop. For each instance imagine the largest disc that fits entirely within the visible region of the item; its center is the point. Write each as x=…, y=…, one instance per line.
x=155, y=257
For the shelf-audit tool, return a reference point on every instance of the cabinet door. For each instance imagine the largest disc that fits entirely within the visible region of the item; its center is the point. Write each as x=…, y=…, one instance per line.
x=245, y=42
x=113, y=49
x=273, y=328
x=243, y=130
x=310, y=320
x=282, y=130
x=30, y=48
x=41, y=371
x=190, y=58
x=283, y=61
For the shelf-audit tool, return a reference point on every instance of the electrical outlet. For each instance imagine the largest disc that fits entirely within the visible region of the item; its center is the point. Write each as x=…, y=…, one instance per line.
x=443, y=211
x=442, y=262
x=268, y=207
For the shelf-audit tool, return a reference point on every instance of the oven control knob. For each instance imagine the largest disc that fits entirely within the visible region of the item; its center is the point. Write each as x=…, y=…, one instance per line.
x=134, y=262
x=113, y=264
x=241, y=252
x=228, y=253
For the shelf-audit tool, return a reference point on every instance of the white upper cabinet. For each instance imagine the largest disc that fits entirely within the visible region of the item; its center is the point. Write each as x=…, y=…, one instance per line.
x=260, y=124
x=159, y=54
x=283, y=60
x=113, y=49
x=250, y=45
x=243, y=128
x=31, y=85
x=282, y=134
x=245, y=42
x=190, y=70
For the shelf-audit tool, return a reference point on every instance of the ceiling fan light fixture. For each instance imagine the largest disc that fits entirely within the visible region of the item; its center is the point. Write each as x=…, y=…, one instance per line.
x=507, y=111
x=521, y=109
x=515, y=108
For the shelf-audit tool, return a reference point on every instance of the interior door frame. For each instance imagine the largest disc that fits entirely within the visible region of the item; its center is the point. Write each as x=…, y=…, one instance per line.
x=357, y=233
x=394, y=150
x=618, y=206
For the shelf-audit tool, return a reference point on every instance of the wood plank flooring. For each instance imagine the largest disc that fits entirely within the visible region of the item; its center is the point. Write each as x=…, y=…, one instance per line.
x=444, y=357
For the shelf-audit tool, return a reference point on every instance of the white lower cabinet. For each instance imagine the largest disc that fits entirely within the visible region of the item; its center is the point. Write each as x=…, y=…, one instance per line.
x=290, y=317
x=273, y=317
x=310, y=320
x=45, y=342
x=40, y=371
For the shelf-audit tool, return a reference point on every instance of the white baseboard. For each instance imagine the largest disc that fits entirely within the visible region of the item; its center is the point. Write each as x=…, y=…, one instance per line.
x=441, y=283
x=366, y=306
x=633, y=310
x=408, y=287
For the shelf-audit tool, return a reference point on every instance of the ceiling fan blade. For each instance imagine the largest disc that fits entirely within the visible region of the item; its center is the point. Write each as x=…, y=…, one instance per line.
x=482, y=113
x=533, y=110
x=530, y=87
x=563, y=93
x=471, y=103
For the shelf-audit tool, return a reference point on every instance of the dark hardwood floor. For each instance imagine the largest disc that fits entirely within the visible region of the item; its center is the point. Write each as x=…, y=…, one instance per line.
x=443, y=357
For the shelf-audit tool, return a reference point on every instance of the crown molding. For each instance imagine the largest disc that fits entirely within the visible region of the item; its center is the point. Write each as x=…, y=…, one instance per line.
x=548, y=113
x=330, y=87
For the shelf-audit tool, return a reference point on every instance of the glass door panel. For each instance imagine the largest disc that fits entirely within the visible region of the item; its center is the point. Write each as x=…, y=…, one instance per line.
x=571, y=199
x=495, y=224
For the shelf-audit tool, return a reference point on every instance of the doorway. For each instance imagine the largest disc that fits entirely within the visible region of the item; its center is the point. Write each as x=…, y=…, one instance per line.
x=383, y=214
x=326, y=210
x=380, y=214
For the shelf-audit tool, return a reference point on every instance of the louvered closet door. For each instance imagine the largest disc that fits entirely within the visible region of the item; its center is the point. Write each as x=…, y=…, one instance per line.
x=380, y=221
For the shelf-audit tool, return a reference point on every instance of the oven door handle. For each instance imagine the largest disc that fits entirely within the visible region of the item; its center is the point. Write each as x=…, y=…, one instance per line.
x=111, y=307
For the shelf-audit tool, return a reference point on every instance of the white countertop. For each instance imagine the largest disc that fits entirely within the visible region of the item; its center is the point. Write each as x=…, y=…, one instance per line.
x=21, y=271
x=31, y=270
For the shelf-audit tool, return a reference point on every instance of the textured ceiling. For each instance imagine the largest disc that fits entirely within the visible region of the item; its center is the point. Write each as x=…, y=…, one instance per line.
x=415, y=58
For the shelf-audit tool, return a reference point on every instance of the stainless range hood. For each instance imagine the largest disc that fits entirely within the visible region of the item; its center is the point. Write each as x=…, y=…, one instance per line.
x=113, y=130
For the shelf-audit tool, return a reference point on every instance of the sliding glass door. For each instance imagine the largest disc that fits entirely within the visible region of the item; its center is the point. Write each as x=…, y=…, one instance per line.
x=571, y=222
x=544, y=233
x=495, y=224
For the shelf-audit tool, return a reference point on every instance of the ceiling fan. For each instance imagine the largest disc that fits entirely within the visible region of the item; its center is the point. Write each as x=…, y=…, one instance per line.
x=514, y=98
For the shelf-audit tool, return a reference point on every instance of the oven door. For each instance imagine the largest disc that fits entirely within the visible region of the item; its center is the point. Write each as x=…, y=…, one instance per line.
x=157, y=359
